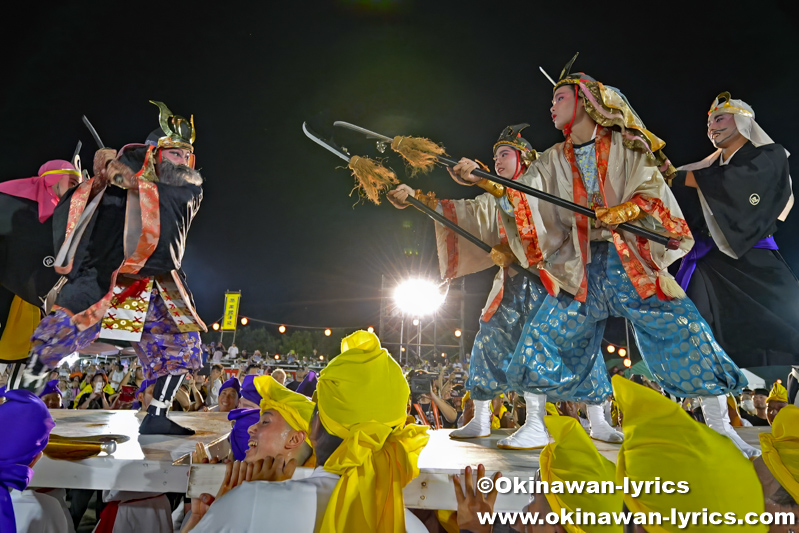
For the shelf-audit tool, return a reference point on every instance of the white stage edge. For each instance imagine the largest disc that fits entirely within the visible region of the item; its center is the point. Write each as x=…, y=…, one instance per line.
x=159, y=463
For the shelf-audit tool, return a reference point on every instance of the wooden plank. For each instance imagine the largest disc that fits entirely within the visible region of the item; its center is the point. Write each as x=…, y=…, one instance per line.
x=443, y=457
x=143, y=463
x=160, y=462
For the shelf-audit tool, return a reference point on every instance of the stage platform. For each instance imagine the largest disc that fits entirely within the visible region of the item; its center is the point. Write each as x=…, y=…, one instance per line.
x=143, y=463
x=160, y=462
x=443, y=457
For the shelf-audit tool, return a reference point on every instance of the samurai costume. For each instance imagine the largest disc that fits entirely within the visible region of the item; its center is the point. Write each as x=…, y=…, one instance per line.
x=734, y=274
x=503, y=218
x=617, y=173
x=27, y=276
x=120, y=238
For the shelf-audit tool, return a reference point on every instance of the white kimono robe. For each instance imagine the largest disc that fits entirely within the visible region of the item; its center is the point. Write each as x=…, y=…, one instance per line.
x=631, y=176
x=35, y=512
x=297, y=505
x=140, y=511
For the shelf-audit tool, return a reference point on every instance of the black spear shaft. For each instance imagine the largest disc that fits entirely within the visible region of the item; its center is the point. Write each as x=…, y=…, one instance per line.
x=332, y=147
x=468, y=236
x=668, y=242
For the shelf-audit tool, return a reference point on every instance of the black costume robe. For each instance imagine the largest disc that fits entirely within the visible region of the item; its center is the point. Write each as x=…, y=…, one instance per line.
x=752, y=302
x=26, y=255
x=101, y=249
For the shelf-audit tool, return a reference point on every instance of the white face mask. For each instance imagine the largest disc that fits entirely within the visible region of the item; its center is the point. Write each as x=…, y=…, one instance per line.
x=748, y=405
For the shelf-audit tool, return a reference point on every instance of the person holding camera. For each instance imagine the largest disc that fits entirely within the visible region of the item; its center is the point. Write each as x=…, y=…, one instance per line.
x=427, y=407
x=95, y=395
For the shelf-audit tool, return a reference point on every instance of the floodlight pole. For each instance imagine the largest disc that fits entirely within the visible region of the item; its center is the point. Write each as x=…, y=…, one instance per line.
x=402, y=332
x=419, y=339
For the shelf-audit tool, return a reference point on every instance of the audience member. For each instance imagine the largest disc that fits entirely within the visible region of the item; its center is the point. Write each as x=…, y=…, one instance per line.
x=279, y=375
x=355, y=487
x=250, y=397
x=215, y=383
x=757, y=417
x=776, y=401
x=95, y=395
x=51, y=395
x=299, y=375
x=661, y=441
x=308, y=384
x=228, y=397
x=21, y=509
x=232, y=352
x=115, y=378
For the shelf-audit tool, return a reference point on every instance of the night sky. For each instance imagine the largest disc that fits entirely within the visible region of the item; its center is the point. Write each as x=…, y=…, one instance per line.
x=277, y=221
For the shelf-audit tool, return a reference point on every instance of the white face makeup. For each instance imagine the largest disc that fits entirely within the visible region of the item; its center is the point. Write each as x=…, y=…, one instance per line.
x=721, y=129
x=505, y=161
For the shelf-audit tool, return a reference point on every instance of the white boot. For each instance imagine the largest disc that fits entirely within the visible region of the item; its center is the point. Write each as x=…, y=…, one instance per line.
x=533, y=434
x=479, y=426
x=714, y=408
x=600, y=429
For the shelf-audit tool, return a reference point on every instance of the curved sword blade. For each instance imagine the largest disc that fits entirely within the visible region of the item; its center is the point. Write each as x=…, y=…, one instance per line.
x=369, y=134
x=327, y=145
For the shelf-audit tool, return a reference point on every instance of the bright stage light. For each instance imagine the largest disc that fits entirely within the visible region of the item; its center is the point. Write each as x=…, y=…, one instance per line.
x=321, y=357
x=370, y=329
x=627, y=362
x=215, y=326
x=415, y=321
x=328, y=333
x=611, y=348
x=418, y=297
x=443, y=354
x=244, y=321
x=458, y=333
x=277, y=357
x=622, y=352
x=282, y=329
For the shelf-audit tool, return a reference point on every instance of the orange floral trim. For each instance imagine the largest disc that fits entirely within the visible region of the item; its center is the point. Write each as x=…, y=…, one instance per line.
x=180, y=305
x=581, y=196
x=602, y=144
x=654, y=207
x=57, y=307
x=645, y=251
x=491, y=309
x=526, y=226
x=452, y=239
x=151, y=232
x=77, y=204
x=151, y=228
x=633, y=267
x=644, y=286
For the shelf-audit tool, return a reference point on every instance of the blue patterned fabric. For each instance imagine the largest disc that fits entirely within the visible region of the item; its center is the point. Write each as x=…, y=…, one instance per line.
x=585, y=157
x=560, y=343
x=163, y=348
x=497, y=339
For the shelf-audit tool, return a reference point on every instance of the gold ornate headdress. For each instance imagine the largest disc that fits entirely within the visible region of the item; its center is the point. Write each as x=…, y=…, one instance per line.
x=180, y=132
x=723, y=103
x=607, y=106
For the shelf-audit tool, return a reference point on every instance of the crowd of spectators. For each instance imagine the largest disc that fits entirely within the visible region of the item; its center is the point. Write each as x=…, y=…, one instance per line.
x=437, y=399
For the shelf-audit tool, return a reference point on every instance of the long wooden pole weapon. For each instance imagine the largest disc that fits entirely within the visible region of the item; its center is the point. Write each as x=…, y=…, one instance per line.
x=330, y=146
x=668, y=242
